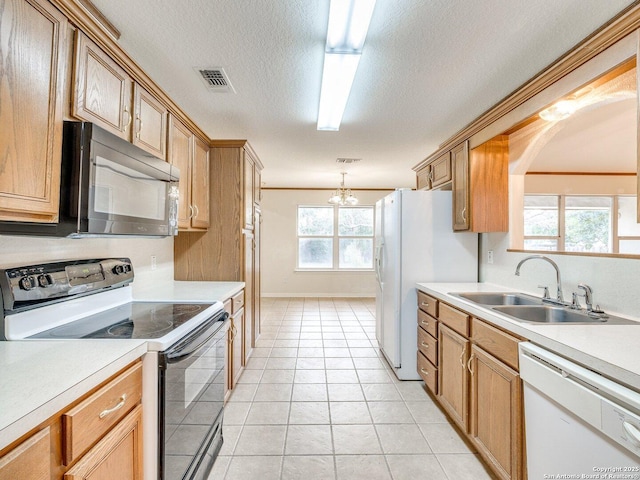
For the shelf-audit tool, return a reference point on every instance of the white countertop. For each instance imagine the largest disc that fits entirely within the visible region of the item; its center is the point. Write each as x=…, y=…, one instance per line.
x=40, y=378
x=182, y=291
x=608, y=349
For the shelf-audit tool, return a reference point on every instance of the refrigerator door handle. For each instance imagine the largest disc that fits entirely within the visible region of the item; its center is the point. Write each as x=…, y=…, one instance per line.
x=378, y=264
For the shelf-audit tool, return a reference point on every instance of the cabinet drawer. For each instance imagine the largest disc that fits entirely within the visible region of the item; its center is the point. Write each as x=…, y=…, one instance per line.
x=428, y=346
x=429, y=323
x=428, y=372
x=237, y=301
x=496, y=342
x=454, y=318
x=88, y=421
x=427, y=304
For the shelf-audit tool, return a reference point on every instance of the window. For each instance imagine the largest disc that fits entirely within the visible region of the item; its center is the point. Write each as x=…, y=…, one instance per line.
x=335, y=237
x=575, y=223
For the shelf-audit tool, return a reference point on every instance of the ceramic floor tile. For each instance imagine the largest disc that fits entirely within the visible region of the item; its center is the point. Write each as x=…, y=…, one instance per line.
x=342, y=376
x=402, y=439
x=311, y=344
x=378, y=392
x=320, y=467
x=349, y=413
x=254, y=468
x=220, y=467
x=335, y=343
x=338, y=363
x=273, y=392
x=250, y=376
x=368, y=363
x=310, y=376
x=286, y=343
x=390, y=412
x=309, y=392
x=316, y=352
x=355, y=439
x=268, y=413
x=413, y=392
x=337, y=353
x=314, y=413
x=243, y=392
x=345, y=392
x=261, y=440
x=281, y=364
x=464, y=466
x=363, y=352
x=443, y=438
x=235, y=413
x=373, y=376
x=310, y=364
x=413, y=467
x=231, y=435
x=309, y=440
x=284, y=352
x=363, y=467
x=426, y=412
x=256, y=363
x=260, y=352
x=277, y=376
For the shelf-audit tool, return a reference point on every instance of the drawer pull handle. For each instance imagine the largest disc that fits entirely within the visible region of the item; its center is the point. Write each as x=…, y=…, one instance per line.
x=424, y=371
x=424, y=304
x=120, y=404
x=425, y=345
x=424, y=323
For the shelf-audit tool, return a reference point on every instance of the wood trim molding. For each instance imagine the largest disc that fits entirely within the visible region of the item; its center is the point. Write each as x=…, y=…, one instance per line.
x=93, y=10
x=81, y=18
x=238, y=143
x=618, y=27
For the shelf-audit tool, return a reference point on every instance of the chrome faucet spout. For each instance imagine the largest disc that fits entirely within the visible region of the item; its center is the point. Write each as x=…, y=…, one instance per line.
x=559, y=296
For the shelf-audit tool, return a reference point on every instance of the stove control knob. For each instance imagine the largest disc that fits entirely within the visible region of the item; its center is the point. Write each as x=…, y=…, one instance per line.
x=45, y=280
x=118, y=269
x=27, y=283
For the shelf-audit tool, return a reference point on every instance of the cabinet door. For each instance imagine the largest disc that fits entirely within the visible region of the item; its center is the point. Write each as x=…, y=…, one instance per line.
x=257, y=185
x=441, y=170
x=423, y=178
x=180, y=152
x=117, y=455
x=150, y=123
x=236, y=347
x=248, y=190
x=200, y=185
x=496, y=413
x=249, y=340
x=256, y=273
x=31, y=98
x=454, y=379
x=460, y=162
x=29, y=460
x=102, y=89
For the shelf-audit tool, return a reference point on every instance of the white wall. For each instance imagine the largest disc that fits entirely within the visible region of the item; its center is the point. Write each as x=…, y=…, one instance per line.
x=615, y=281
x=16, y=251
x=279, y=245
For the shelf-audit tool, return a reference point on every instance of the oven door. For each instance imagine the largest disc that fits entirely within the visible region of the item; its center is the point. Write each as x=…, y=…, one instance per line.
x=191, y=398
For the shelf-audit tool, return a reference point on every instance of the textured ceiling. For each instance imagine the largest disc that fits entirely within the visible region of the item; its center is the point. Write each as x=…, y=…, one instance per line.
x=428, y=69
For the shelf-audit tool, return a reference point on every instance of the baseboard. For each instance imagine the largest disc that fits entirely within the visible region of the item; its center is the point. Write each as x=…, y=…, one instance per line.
x=315, y=295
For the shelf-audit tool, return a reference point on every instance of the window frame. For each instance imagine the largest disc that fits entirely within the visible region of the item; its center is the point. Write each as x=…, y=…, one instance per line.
x=336, y=237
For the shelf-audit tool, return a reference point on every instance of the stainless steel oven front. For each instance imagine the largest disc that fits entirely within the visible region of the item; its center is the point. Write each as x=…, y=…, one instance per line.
x=191, y=398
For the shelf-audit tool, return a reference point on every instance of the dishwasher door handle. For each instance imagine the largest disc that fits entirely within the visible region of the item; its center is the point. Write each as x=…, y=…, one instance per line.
x=633, y=432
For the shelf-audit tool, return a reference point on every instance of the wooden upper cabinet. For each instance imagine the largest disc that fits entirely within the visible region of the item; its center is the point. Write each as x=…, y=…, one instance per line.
x=34, y=52
x=257, y=185
x=423, y=178
x=106, y=95
x=460, y=166
x=102, y=89
x=180, y=152
x=200, y=184
x=150, y=123
x=440, y=171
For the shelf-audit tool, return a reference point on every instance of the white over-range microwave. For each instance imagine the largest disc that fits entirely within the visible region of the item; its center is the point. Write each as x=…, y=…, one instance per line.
x=109, y=187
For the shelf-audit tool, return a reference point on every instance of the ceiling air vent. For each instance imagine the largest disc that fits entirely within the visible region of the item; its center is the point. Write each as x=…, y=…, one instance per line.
x=346, y=161
x=215, y=79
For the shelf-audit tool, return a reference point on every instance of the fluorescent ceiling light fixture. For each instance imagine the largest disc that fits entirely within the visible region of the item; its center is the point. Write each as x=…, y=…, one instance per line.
x=348, y=25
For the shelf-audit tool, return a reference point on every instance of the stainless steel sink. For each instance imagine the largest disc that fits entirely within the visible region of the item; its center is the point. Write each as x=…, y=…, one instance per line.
x=549, y=314
x=499, y=298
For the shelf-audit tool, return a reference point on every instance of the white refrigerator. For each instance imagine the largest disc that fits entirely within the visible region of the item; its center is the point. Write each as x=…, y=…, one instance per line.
x=414, y=242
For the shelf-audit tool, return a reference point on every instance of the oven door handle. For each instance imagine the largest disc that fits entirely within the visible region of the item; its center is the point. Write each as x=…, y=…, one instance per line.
x=188, y=346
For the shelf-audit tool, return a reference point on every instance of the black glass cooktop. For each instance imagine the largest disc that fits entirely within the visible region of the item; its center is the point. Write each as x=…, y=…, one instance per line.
x=137, y=320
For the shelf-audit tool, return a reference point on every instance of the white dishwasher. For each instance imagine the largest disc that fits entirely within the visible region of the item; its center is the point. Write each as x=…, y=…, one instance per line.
x=578, y=423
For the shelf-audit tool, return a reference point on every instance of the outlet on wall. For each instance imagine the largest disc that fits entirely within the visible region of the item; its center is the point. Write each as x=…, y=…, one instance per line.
x=153, y=262
x=490, y=257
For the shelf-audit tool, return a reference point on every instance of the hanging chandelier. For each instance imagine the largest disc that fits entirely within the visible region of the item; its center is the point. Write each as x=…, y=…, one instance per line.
x=343, y=196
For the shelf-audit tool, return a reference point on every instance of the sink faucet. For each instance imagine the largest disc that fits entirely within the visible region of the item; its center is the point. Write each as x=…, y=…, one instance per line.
x=559, y=297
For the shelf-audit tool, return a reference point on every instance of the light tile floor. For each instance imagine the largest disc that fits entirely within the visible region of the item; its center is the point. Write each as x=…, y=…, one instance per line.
x=317, y=401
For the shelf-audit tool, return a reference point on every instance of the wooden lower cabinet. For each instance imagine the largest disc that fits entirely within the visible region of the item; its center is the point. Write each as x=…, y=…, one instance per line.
x=235, y=306
x=117, y=455
x=496, y=413
x=113, y=434
x=29, y=460
x=453, y=391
